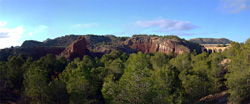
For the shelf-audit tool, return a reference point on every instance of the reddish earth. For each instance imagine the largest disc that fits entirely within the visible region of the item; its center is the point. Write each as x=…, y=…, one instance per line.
x=219, y=98
x=80, y=47
x=77, y=49
x=147, y=44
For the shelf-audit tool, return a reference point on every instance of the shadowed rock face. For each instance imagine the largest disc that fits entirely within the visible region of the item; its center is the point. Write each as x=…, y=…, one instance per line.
x=34, y=52
x=147, y=44
x=31, y=43
x=63, y=41
x=77, y=49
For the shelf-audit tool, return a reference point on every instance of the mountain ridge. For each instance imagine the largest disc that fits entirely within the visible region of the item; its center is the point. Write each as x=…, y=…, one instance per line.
x=98, y=45
x=211, y=40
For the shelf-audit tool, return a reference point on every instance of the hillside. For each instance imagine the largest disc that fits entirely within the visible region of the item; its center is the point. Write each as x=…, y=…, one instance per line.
x=159, y=70
x=98, y=45
x=118, y=78
x=63, y=41
x=211, y=41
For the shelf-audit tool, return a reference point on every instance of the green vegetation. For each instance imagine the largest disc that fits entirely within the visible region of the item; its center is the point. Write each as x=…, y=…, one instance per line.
x=120, y=78
x=238, y=78
x=223, y=45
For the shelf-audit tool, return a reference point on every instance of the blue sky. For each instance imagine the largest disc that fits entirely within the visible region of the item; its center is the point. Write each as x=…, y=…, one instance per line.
x=41, y=19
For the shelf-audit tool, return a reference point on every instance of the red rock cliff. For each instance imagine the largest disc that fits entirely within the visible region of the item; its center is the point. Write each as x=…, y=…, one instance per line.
x=147, y=44
x=76, y=49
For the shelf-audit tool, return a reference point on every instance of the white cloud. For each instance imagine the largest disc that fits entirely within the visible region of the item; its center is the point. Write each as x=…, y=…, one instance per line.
x=41, y=29
x=2, y=24
x=183, y=34
x=235, y=6
x=10, y=36
x=164, y=25
x=82, y=26
x=30, y=33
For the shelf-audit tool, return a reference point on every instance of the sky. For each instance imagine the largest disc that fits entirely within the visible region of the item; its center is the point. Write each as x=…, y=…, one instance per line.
x=22, y=20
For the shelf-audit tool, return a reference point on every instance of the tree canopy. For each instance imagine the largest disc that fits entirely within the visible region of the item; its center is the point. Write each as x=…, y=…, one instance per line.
x=121, y=78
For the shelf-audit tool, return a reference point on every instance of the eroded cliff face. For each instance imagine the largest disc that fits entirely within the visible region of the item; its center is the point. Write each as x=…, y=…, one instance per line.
x=147, y=44
x=77, y=49
x=96, y=46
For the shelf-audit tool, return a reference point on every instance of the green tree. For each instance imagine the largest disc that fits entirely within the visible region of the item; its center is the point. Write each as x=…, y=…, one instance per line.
x=233, y=50
x=201, y=57
x=60, y=64
x=182, y=61
x=5, y=82
x=196, y=81
x=135, y=85
x=217, y=70
x=79, y=87
x=57, y=91
x=167, y=86
x=238, y=78
x=15, y=71
x=81, y=83
x=37, y=78
x=108, y=58
x=159, y=60
x=36, y=85
x=116, y=67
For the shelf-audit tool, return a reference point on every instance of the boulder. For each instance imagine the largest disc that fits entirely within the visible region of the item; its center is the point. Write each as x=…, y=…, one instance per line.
x=76, y=49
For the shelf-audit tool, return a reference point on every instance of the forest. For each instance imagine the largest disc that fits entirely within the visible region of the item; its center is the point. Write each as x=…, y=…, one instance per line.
x=118, y=78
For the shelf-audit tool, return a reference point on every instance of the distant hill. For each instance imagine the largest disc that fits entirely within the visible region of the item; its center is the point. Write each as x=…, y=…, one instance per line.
x=210, y=41
x=63, y=41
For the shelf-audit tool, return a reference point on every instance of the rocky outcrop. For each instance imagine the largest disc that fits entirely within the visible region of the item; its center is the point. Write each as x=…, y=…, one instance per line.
x=96, y=46
x=63, y=41
x=31, y=43
x=77, y=49
x=148, y=44
x=99, y=51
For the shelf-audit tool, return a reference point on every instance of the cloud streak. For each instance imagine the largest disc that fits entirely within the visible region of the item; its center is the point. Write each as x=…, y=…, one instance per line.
x=10, y=36
x=165, y=25
x=4, y=35
x=83, y=26
x=236, y=6
x=183, y=34
x=39, y=29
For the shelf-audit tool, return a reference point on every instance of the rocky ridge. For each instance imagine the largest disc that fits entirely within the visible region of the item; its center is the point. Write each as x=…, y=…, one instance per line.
x=63, y=41
x=96, y=46
x=210, y=40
